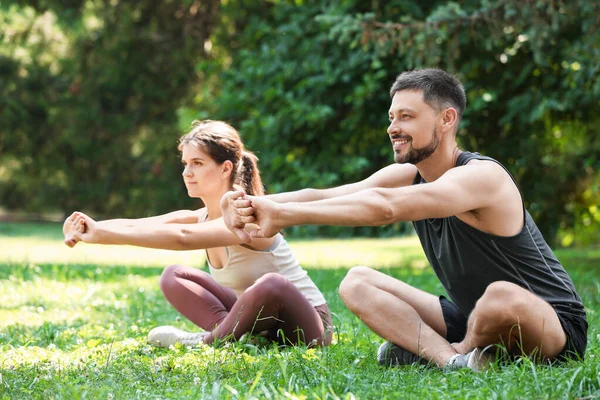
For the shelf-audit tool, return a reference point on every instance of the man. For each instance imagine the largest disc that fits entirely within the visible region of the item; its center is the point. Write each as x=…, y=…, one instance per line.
x=504, y=283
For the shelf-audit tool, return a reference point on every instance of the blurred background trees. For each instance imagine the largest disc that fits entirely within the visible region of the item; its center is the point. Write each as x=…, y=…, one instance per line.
x=96, y=93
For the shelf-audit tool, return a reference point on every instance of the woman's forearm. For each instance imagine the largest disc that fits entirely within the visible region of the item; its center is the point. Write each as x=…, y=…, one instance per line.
x=168, y=237
x=196, y=236
x=175, y=217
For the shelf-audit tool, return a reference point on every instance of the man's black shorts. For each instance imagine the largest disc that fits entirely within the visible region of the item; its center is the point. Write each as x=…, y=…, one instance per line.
x=572, y=320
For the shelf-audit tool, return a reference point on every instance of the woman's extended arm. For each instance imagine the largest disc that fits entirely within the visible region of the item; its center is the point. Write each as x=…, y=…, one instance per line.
x=175, y=217
x=159, y=235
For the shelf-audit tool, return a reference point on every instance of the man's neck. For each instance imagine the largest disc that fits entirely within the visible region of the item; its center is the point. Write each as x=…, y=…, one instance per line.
x=438, y=163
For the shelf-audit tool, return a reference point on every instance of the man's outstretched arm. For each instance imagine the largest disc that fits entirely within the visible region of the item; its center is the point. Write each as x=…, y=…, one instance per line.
x=459, y=190
x=395, y=175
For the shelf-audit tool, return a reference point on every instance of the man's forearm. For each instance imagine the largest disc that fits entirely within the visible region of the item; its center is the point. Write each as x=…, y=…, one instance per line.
x=365, y=208
x=300, y=196
x=121, y=222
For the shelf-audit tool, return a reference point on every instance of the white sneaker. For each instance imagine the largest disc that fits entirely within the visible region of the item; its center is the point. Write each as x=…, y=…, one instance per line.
x=477, y=360
x=165, y=336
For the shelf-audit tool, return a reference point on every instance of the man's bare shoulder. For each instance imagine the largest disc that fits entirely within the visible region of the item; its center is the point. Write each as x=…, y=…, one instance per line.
x=476, y=161
x=488, y=169
x=394, y=175
x=478, y=180
x=503, y=213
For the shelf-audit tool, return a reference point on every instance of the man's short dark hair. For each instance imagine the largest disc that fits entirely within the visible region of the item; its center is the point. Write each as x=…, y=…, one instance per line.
x=440, y=89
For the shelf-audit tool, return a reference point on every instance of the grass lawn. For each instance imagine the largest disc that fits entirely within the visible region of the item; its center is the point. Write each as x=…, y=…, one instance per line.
x=73, y=324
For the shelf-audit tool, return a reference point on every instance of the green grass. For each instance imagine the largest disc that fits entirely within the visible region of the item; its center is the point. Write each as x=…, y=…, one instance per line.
x=73, y=324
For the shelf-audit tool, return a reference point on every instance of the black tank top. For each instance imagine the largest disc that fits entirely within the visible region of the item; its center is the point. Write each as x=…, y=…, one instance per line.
x=467, y=260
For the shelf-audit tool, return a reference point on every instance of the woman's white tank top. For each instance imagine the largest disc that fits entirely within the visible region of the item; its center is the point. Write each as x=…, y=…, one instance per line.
x=244, y=266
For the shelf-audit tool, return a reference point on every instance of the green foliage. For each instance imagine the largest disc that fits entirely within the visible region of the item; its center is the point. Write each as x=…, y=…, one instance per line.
x=91, y=91
x=310, y=106
x=530, y=70
x=96, y=93
x=306, y=86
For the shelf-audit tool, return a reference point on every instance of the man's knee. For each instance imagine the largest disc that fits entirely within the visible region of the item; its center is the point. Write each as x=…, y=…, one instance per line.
x=503, y=302
x=351, y=285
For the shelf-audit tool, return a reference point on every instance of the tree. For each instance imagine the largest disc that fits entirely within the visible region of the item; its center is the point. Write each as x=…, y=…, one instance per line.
x=307, y=88
x=96, y=93
x=91, y=93
x=531, y=70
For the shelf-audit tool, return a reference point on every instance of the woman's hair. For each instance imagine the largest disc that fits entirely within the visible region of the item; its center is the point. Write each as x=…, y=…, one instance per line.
x=222, y=142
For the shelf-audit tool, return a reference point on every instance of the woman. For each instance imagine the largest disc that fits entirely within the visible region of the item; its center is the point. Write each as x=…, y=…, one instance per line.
x=254, y=287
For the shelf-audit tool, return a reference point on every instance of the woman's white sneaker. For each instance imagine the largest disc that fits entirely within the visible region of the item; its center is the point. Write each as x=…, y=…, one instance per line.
x=165, y=336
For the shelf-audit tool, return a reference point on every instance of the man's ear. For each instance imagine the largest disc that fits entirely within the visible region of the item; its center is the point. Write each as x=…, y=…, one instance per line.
x=227, y=169
x=449, y=118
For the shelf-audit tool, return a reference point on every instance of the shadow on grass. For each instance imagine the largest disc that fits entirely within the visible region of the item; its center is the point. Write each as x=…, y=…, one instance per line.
x=582, y=269
x=59, y=334
x=327, y=280
x=42, y=230
x=67, y=272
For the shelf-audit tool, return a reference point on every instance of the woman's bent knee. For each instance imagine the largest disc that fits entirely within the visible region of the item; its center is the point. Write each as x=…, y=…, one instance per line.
x=272, y=285
x=168, y=277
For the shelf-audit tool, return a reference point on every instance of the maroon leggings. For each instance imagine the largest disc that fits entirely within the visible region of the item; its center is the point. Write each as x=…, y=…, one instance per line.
x=271, y=304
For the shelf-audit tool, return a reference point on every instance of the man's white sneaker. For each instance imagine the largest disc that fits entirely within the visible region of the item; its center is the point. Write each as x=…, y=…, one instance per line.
x=477, y=360
x=165, y=336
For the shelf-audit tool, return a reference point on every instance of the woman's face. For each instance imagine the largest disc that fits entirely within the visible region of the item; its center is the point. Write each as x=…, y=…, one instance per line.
x=201, y=174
